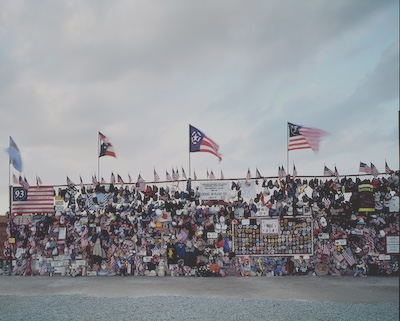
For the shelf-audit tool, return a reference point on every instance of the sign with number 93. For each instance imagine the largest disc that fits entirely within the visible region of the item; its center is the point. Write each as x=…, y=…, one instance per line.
x=19, y=194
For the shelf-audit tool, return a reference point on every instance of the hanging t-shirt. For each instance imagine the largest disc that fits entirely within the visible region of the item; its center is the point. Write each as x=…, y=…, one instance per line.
x=190, y=258
x=172, y=254
x=366, y=201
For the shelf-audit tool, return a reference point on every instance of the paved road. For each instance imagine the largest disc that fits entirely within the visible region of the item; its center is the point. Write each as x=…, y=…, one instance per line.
x=191, y=298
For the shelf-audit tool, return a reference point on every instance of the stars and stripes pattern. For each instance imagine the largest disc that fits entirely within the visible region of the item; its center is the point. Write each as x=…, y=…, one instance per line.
x=302, y=137
x=294, y=172
x=328, y=172
x=156, y=176
x=40, y=199
x=387, y=169
x=364, y=168
x=374, y=170
x=348, y=256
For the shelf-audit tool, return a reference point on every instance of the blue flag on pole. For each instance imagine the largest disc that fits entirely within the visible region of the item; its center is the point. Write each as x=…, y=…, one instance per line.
x=15, y=155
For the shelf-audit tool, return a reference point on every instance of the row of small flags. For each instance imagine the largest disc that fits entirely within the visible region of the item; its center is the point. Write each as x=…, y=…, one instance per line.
x=364, y=168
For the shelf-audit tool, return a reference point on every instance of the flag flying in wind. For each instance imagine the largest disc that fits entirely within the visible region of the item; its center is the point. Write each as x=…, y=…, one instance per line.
x=294, y=172
x=199, y=142
x=364, y=168
x=374, y=170
x=156, y=176
x=212, y=176
x=106, y=148
x=387, y=169
x=337, y=173
x=167, y=176
x=302, y=137
x=120, y=180
x=70, y=183
x=328, y=172
x=14, y=155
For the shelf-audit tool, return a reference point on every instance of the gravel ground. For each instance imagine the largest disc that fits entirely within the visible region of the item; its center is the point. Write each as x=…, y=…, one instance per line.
x=77, y=307
x=230, y=298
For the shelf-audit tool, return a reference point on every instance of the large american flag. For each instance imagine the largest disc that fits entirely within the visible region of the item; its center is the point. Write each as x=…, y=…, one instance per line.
x=39, y=199
x=302, y=137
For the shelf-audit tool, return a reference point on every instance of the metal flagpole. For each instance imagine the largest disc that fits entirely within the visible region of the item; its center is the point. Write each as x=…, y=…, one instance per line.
x=287, y=148
x=190, y=170
x=98, y=156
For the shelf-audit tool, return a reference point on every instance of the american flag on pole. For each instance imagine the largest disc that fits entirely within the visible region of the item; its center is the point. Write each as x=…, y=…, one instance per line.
x=294, y=172
x=183, y=174
x=120, y=180
x=168, y=177
x=364, y=168
x=328, y=172
x=70, y=183
x=302, y=137
x=222, y=175
x=387, y=169
x=81, y=181
x=194, y=175
x=337, y=173
x=258, y=174
x=156, y=176
x=374, y=170
x=348, y=256
x=112, y=180
x=140, y=184
x=212, y=176
x=199, y=142
x=248, y=176
x=39, y=199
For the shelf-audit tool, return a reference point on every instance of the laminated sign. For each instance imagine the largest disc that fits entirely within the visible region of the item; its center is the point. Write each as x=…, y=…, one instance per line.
x=214, y=190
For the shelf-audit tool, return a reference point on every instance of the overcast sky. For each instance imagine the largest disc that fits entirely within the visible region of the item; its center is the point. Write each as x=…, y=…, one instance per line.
x=141, y=71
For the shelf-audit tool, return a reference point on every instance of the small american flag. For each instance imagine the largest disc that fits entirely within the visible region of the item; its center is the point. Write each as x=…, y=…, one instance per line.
x=328, y=172
x=337, y=173
x=103, y=181
x=70, y=183
x=94, y=180
x=129, y=178
x=183, y=174
x=294, y=172
x=81, y=181
x=258, y=174
x=374, y=170
x=364, y=168
x=120, y=180
x=325, y=249
x=348, y=256
x=222, y=175
x=168, y=177
x=156, y=177
x=112, y=180
x=194, y=176
x=15, y=179
x=212, y=176
x=248, y=176
x=387, y=169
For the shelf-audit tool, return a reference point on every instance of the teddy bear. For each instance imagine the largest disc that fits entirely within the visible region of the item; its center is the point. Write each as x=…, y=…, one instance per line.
x=161, y=268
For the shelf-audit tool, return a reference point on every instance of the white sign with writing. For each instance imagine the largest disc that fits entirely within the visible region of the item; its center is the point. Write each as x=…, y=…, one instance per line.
x=214, y=190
